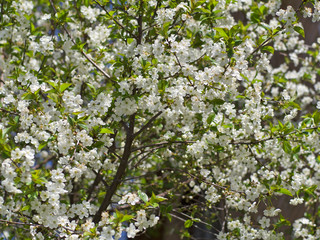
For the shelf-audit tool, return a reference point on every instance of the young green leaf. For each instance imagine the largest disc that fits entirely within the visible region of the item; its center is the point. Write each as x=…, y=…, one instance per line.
x=64, y=86
x=143, y=196
x=299, y=30
x=106, y=130
x=188, y=223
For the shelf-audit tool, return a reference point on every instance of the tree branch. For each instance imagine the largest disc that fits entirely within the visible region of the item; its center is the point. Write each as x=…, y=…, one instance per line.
x=144, y=157
x=265, y=42
x=140, y=23
x=148, y=124
x=120, y=172
x=95, y=183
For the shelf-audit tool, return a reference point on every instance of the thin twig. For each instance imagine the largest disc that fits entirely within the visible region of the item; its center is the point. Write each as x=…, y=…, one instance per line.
x=265, y=42
x=144, y=157
x=161, y=143
x=201, y=229
x=148, y=124
x=198, y=220
x=18, y=223
x=44, y=162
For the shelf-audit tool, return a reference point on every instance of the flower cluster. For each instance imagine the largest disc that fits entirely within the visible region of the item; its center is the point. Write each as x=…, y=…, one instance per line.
x=118, y=114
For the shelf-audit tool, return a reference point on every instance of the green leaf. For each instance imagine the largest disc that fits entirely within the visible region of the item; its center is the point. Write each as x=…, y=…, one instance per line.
x=211, y=118
x=42, y=145
x=280, y=124
x=36, y=178
x=299, y=30
x=98, y=144
x=166, y=28
x=227, y=125
x=218, y=101
x=268, y=48
x=93, y=89
x=204, y=10
x=222, y=32
x=186, y=235
x=188, y=223
x=155, y=205
x=230, y=52
x=160, y=199
x=285, y=191
x=86, y=3
x=237, y=42
x=282, y=222
x=255, y=18
x=71, y=121
x=119, y=216
x=263, y=10
x=28, y=96
x=25, y=208
x=316, y=117
x=83, y=126
x=169, y=216
x=169, y=208
x=106, y=130
x=296, y=149
x=154, y=200
x=286, y=147
x=32, y=28
x=241, y=97
x=52, y=83
x=143, y=196
x=64, y=86
x=294, y=105
x=5, y=131
x=311, y=190
x=196, y=219
x=126, y=218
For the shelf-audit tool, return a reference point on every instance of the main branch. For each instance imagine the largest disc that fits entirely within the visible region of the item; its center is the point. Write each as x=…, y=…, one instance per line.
x=120, y=172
